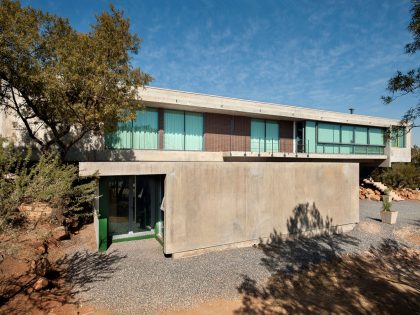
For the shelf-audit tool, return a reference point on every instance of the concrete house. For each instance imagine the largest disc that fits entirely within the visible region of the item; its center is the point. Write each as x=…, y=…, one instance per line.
x=199, y=172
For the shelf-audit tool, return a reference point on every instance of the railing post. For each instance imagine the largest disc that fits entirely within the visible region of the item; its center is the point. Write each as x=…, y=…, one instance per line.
x=259, y=146
x=272, y=145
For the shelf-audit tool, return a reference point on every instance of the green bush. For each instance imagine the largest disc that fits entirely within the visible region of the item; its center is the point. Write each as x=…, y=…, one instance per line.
x=48, y=180
x=386, y=205
x=402, y=175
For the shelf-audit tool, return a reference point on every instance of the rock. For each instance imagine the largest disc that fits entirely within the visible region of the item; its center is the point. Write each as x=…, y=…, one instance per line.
x=29, y=290
x=33, y=265
x=60, y=233
x=36, y=210
x=40, y=250
x=376, y=197
x=42, y=267
x=40, y=284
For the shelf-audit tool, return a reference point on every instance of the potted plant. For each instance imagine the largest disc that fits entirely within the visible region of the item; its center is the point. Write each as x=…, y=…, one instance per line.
x=387, y=215
x=386, y=196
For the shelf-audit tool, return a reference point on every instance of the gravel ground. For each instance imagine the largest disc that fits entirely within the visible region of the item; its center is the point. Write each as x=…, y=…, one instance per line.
x=135, y=277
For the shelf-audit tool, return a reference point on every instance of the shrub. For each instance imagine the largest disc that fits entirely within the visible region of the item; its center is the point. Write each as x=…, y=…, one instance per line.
x=11, y=167
x=386, y=205
x=47, y=180
x=403, y=175
x=58, y=184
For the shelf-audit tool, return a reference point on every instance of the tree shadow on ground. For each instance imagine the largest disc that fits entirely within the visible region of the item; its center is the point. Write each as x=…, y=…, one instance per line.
x=69, y=275
x=314, y=275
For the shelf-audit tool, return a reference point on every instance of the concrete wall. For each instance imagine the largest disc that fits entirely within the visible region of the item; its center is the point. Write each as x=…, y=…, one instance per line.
x=219, y=203
x=222, y=203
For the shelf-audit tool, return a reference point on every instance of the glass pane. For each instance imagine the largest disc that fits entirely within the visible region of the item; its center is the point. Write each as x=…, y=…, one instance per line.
x=193, y=131
x=121, y=138
x=257, y=135
x=346, y=149
x=149, y=194
x=174, y=130
x=401, y=138
x=347, y=134
x=376, y=136
x=272, y=136
x=330, y=149
x=328, y=133
x=360, y=150
x=309, y=137
x=360, y=135
x=118, y=194
x=374, y=150
x=145, y=129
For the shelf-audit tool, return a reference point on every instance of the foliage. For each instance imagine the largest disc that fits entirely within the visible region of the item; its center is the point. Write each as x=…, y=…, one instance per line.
x=415, y=156
x=403, y=175
x=11, y=167
x=387, y=191
x=408, y=83
x=48, y=181
x=63, y=84
x=386, y=205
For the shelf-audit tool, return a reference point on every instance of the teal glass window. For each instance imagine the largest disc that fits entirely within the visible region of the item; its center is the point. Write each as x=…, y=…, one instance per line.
x=310, y=137
x=328, y=133
x=347, y=134
x=174, y=130
x=121, y=138
x=183, y=130
x=145, y=130
x=376, y=136
x=271, y=136
x=193, y=131
x=141, y=133
x=398, y=137
x=329, y=138
x=360, y=135
x=257, y=135
x=264, y=136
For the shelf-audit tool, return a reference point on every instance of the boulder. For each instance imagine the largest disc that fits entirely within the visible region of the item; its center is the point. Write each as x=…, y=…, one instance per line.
x=40, y=284
x=60, y=233
x=36, y=210
x=40, y=250
x=42, y=267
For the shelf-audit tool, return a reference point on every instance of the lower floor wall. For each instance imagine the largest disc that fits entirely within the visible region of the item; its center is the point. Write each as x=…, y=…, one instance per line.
x=223, y=203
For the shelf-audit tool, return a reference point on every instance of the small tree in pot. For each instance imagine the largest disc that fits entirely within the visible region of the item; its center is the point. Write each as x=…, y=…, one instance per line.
x=387, y=195
x=387, y=215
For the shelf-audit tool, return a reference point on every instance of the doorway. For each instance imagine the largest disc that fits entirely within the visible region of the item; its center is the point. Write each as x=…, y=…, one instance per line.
x=135, y=206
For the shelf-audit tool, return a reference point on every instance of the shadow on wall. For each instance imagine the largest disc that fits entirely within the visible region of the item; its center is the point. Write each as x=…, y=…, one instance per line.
x=89, y=148
x=92, y=148
x=68, y=276
x=311, y=274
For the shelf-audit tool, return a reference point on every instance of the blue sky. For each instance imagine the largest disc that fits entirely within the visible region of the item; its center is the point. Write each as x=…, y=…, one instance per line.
x=321, y=54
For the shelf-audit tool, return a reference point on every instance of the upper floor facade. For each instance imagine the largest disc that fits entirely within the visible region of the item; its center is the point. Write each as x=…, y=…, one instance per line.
x=183, y=126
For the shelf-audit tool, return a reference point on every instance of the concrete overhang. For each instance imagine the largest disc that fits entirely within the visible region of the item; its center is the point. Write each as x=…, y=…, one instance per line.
x=181, y=100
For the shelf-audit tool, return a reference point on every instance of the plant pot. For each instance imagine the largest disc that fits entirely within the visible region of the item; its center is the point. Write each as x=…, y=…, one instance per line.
x=386, y=198
x=389, y=217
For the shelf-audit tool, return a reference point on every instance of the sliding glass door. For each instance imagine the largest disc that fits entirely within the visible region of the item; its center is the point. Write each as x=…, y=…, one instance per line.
x=135, y=205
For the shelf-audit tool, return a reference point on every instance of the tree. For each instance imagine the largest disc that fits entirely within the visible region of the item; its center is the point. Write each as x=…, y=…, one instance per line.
x=63, y=84
x=408, y=83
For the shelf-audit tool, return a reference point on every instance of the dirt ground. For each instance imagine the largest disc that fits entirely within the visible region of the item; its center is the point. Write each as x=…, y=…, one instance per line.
x=351, y=284
x=18, y=250
x=356, y=284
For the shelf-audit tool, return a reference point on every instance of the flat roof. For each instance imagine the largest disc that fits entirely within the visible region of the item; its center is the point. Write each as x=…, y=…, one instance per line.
x=182, y=100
